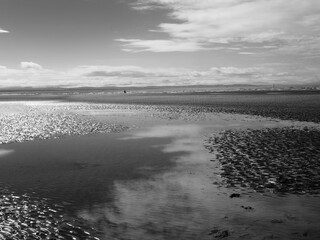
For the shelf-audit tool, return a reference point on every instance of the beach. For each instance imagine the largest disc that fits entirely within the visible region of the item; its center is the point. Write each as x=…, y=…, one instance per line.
x=160, y=166
x=159, y=120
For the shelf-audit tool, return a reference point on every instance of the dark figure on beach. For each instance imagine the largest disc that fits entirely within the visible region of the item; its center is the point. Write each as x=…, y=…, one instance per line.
x=124, y=91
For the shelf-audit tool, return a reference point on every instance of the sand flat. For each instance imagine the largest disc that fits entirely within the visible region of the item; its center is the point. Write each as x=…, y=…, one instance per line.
x=153, y=179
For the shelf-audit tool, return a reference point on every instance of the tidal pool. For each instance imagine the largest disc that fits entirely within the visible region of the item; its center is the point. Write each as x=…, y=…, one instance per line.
x=137, y=180
x=153, y=183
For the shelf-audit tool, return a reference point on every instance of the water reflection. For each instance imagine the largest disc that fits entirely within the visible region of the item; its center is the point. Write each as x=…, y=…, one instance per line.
x=175, y=131
x=171, y=205
x=5, y=152
x=182, y=202
x=185, y=139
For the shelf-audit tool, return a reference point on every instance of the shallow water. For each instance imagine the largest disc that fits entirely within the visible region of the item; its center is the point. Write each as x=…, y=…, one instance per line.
x=84, y=174
x=155, y=182
x=79, y=170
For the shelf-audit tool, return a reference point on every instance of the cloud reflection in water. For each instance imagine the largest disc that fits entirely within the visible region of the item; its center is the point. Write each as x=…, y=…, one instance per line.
x=170, y=205
x=5, y=152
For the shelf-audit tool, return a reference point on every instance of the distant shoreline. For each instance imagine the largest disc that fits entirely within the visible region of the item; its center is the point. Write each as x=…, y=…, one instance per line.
x=63, y=94
x=298, y=106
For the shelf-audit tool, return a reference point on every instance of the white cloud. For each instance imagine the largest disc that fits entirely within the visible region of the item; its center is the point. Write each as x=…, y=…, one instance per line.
x=98, y=76
x=203, y=23
x=246, y=53
x=30, y=65
x=239, y=71
x=129, y=72
x=138, y=45
x=3, y=31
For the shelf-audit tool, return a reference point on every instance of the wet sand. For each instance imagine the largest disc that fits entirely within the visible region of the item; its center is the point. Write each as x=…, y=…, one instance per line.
x=277, y=160
x=156, y=172
x=285, y=105
x=301, y=106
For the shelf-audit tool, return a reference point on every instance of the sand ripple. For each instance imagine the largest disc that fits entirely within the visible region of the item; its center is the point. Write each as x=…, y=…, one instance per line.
x=45, y=122
x=25, y=217
x=282, y=160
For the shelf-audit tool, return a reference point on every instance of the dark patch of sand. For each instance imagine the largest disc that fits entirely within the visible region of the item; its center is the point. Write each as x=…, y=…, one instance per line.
x=301, y=106
x=280, y=160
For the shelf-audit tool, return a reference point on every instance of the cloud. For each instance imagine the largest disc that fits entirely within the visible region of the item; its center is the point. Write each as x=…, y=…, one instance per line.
x=128, y=72
x=139, y=76
x=30, y=65
x=302, y=48
x=138, y=45
x=3, y=31
x=201, y=24
x=238, y=71
x=246, y=53
x=116, y=74
x=30, y=74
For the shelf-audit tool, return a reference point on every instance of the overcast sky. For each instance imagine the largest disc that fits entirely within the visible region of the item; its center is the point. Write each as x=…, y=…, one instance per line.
x=158, y=42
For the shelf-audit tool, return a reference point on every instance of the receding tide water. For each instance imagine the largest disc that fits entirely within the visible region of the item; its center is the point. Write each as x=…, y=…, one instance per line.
x=151, y=183
x=133, y=186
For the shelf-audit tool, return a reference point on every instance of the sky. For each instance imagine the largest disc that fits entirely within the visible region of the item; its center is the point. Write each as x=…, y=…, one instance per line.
x=74, y=43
